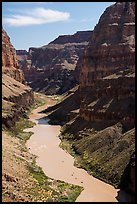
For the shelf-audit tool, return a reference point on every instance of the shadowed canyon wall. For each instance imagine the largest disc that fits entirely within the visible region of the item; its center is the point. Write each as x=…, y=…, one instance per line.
x=51, y=66
x=107, y=78
x=102, y=129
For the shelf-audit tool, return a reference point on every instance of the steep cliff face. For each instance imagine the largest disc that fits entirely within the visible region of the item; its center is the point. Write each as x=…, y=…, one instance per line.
x=53, y=65
x=16, y=97
x=112, y=44
x=9, y=61
x=110, y=99
x=102, y=132
x=8, y=52
x=111, y=52
x=107, y=84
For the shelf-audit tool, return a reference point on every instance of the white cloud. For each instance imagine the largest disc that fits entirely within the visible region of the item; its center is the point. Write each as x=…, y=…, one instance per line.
x=35, y=16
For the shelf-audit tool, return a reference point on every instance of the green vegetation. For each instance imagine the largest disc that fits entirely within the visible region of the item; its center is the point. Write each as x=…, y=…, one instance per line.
x=102, y=153
x=59, y=190
x=83, y=160
x=23, y=122
x=18, y=129
x=67, y=145
x=39, y=100
x=45, y=189
x=72, y=193
x=37, y=173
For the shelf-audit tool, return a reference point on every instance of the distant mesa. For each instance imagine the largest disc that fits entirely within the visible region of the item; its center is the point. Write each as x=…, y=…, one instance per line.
x=49, y=67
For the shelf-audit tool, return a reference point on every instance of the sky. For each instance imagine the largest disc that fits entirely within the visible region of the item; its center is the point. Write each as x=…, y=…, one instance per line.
x=34, y=24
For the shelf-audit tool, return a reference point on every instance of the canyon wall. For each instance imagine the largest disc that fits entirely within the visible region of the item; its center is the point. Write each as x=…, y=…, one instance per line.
x=107, y=83
x=9, y=60
x=49, y=67
x=108, y=66
x=102, y=130
x=112, y=44
x=16, y=96
x=8, y=52
x=111, y=99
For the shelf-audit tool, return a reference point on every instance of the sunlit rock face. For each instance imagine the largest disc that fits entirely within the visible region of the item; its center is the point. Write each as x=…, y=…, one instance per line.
x=107, y=74
x=112, y=44
x=9, y=60
x=16, y=96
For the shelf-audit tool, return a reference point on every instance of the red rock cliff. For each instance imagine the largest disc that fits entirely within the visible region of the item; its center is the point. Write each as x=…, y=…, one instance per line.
x=16, y=96
x=9, y=60
x=112, y=44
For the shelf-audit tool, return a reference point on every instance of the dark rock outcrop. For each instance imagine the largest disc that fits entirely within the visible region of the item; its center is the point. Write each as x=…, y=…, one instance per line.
x=128, y=178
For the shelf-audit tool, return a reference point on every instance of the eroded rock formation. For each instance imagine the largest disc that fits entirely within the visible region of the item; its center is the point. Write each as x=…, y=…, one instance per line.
x=107, y=80
x=110, y=99
x=102, y=132
x=10, y=65
x=112, y=44
x=53, y=65
x=108, y=67
x=16, y=96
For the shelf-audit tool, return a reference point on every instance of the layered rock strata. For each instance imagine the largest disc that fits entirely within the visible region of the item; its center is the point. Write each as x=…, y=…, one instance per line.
x=110, y=99
x=16, y=96
x=103, y=133
x=112, y=44
x=111, y=52
x=53, y=65
x=107, y=78
x=10, y=65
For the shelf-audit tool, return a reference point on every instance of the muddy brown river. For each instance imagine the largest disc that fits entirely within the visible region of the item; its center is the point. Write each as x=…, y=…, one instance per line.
x=59, y=164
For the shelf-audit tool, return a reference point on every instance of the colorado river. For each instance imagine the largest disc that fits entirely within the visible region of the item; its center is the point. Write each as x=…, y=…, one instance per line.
x=58, y=164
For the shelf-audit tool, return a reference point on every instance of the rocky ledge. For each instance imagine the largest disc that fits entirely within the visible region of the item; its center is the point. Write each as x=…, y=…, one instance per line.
x=16, y=98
